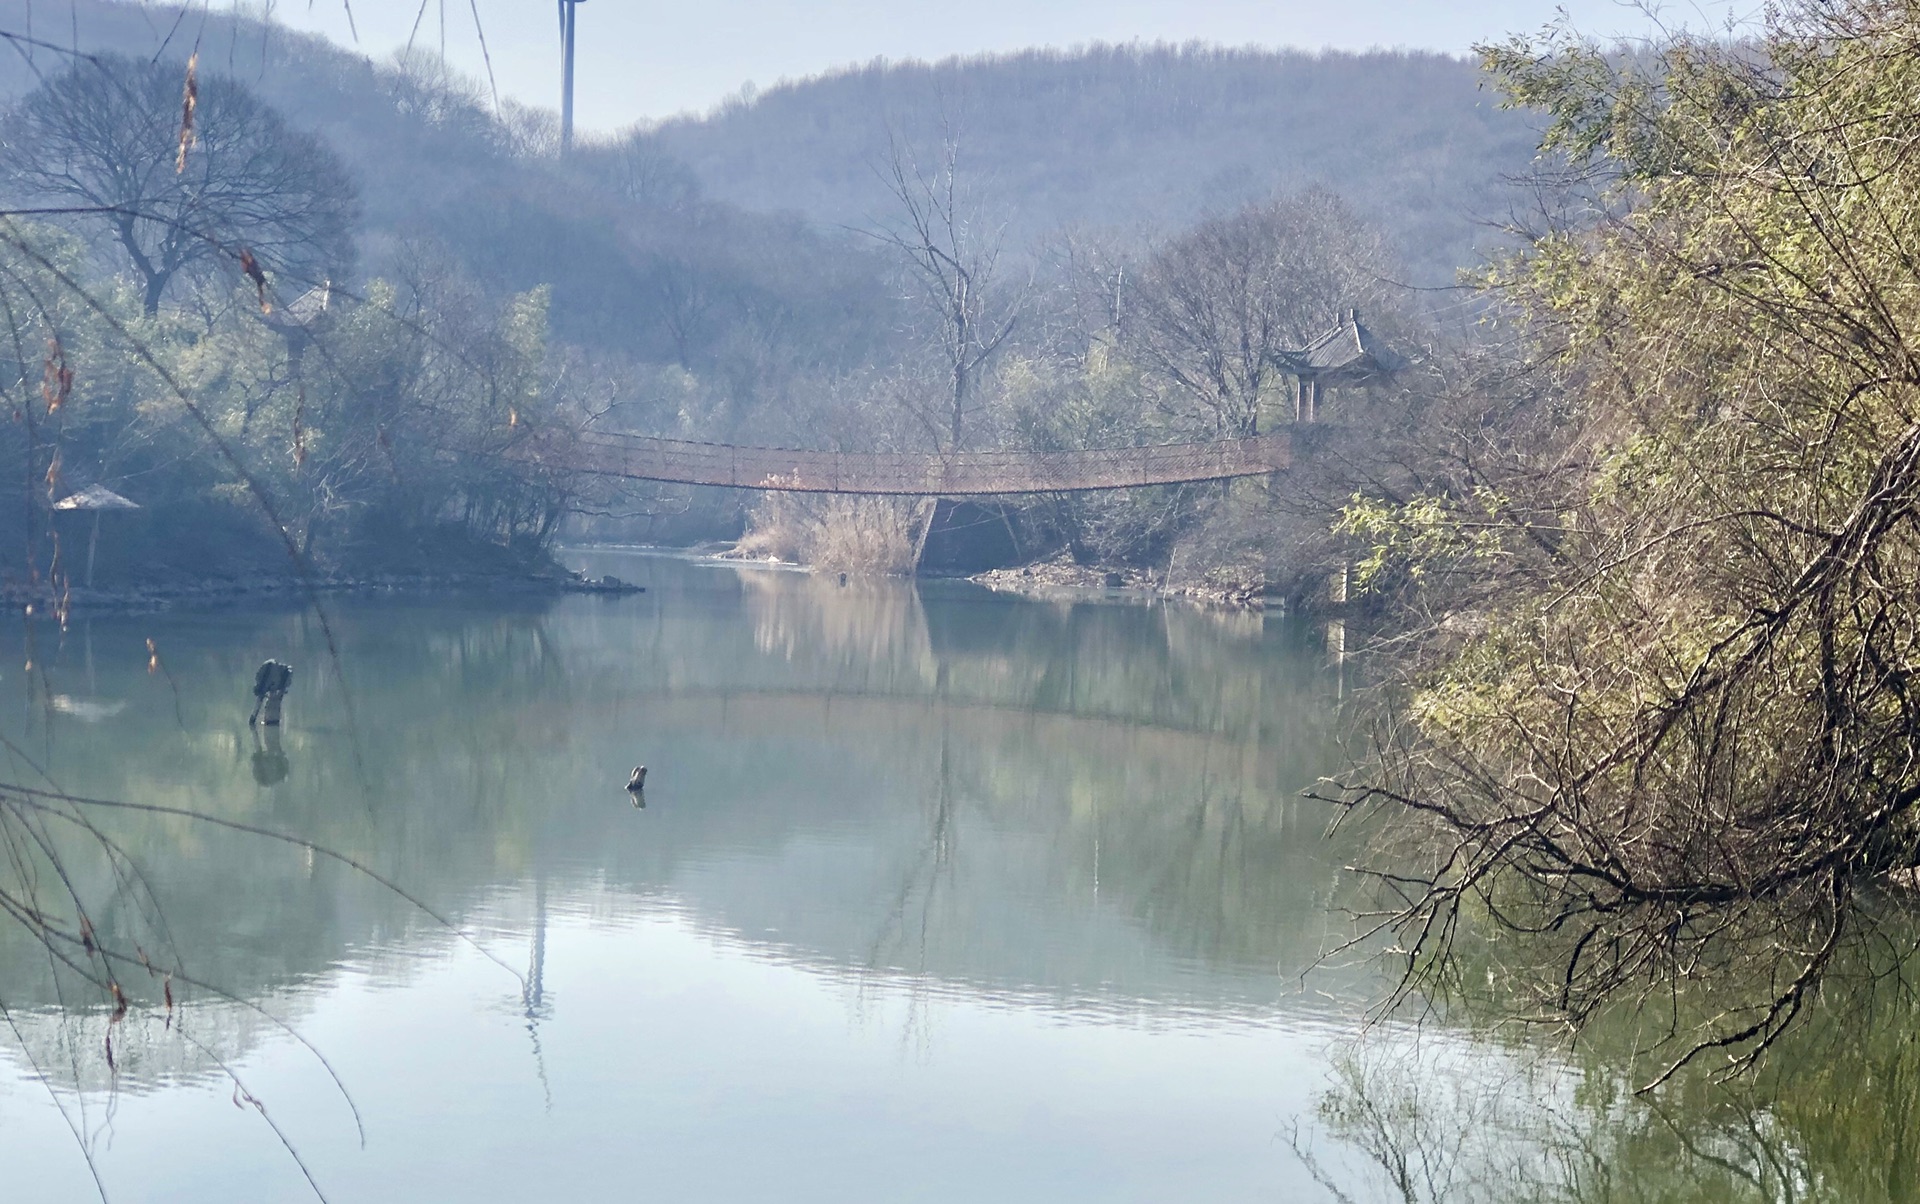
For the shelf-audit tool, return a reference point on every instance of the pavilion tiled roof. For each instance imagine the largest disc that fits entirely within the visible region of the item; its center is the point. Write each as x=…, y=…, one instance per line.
x=1347, y=352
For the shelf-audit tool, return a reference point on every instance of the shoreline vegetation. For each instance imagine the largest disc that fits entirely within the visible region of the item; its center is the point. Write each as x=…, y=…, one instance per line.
x=1648, y=745
x=888, y=537
x=1054, y=579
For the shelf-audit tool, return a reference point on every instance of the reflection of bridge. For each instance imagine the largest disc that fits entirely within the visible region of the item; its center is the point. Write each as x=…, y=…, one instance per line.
x=1346, y=355
x=717, y=705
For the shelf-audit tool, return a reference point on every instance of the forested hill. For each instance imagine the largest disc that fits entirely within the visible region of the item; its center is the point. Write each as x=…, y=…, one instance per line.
x=1135, y=136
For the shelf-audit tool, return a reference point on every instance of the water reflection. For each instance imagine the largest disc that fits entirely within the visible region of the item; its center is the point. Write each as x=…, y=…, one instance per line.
x=933, y=894
x=1830, y=1118
x=924, y=802
x=270, y=764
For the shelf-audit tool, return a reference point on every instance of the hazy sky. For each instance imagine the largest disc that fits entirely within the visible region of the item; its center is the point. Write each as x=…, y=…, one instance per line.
x=653, y=58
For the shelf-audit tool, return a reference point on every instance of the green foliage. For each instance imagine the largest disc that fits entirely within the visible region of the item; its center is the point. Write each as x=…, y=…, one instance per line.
x=1412, y=538
x=1670, y=734
x=378, y=424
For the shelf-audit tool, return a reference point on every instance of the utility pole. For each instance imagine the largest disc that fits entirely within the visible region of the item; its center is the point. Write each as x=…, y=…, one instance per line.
x=568, y=16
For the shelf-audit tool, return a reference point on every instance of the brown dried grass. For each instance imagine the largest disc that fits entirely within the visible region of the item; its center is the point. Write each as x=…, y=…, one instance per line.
x=831, y=533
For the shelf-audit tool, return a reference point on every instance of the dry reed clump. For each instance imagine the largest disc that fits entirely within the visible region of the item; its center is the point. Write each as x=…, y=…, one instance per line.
x=833, y=533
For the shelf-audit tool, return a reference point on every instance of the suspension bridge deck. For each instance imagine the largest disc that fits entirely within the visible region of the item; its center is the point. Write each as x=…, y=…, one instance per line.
x=956, y=474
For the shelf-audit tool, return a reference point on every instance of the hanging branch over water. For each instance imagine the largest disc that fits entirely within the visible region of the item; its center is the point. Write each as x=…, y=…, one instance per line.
x=1677, y=751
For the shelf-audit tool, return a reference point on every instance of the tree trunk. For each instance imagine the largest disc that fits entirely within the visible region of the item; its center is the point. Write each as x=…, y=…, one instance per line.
x=959, y=403
x=963, y=338
x=155, y=278
x=156, y=285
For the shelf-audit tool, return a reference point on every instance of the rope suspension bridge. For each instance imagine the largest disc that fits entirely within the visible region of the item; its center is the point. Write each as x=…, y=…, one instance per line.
x=960, y=474
x=1346, y=355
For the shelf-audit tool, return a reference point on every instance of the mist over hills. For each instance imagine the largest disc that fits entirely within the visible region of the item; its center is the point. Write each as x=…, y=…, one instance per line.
x=1142, y=138
x=639, y=263
x=1135, y=136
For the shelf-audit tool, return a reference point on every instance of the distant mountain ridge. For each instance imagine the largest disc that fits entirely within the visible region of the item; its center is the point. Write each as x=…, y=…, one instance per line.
x=718, y=244
x=1131, y=136
x=1136, y=137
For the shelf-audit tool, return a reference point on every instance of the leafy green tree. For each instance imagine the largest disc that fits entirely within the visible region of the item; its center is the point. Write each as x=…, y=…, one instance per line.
x=395, y=426
x=1678, y=747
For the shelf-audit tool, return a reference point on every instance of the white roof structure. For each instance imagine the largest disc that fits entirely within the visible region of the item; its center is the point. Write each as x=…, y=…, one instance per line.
x=305, y=311
x=95, y=497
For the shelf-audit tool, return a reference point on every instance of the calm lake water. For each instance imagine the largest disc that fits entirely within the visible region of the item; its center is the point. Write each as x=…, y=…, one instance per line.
x=936, y=895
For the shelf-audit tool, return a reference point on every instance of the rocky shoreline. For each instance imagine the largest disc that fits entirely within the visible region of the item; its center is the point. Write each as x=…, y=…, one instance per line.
x=1063, y=579
x=1059, y=579
x=164, y=595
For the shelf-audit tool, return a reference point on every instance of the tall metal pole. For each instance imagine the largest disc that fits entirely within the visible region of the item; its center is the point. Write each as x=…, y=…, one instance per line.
x=568, y=15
